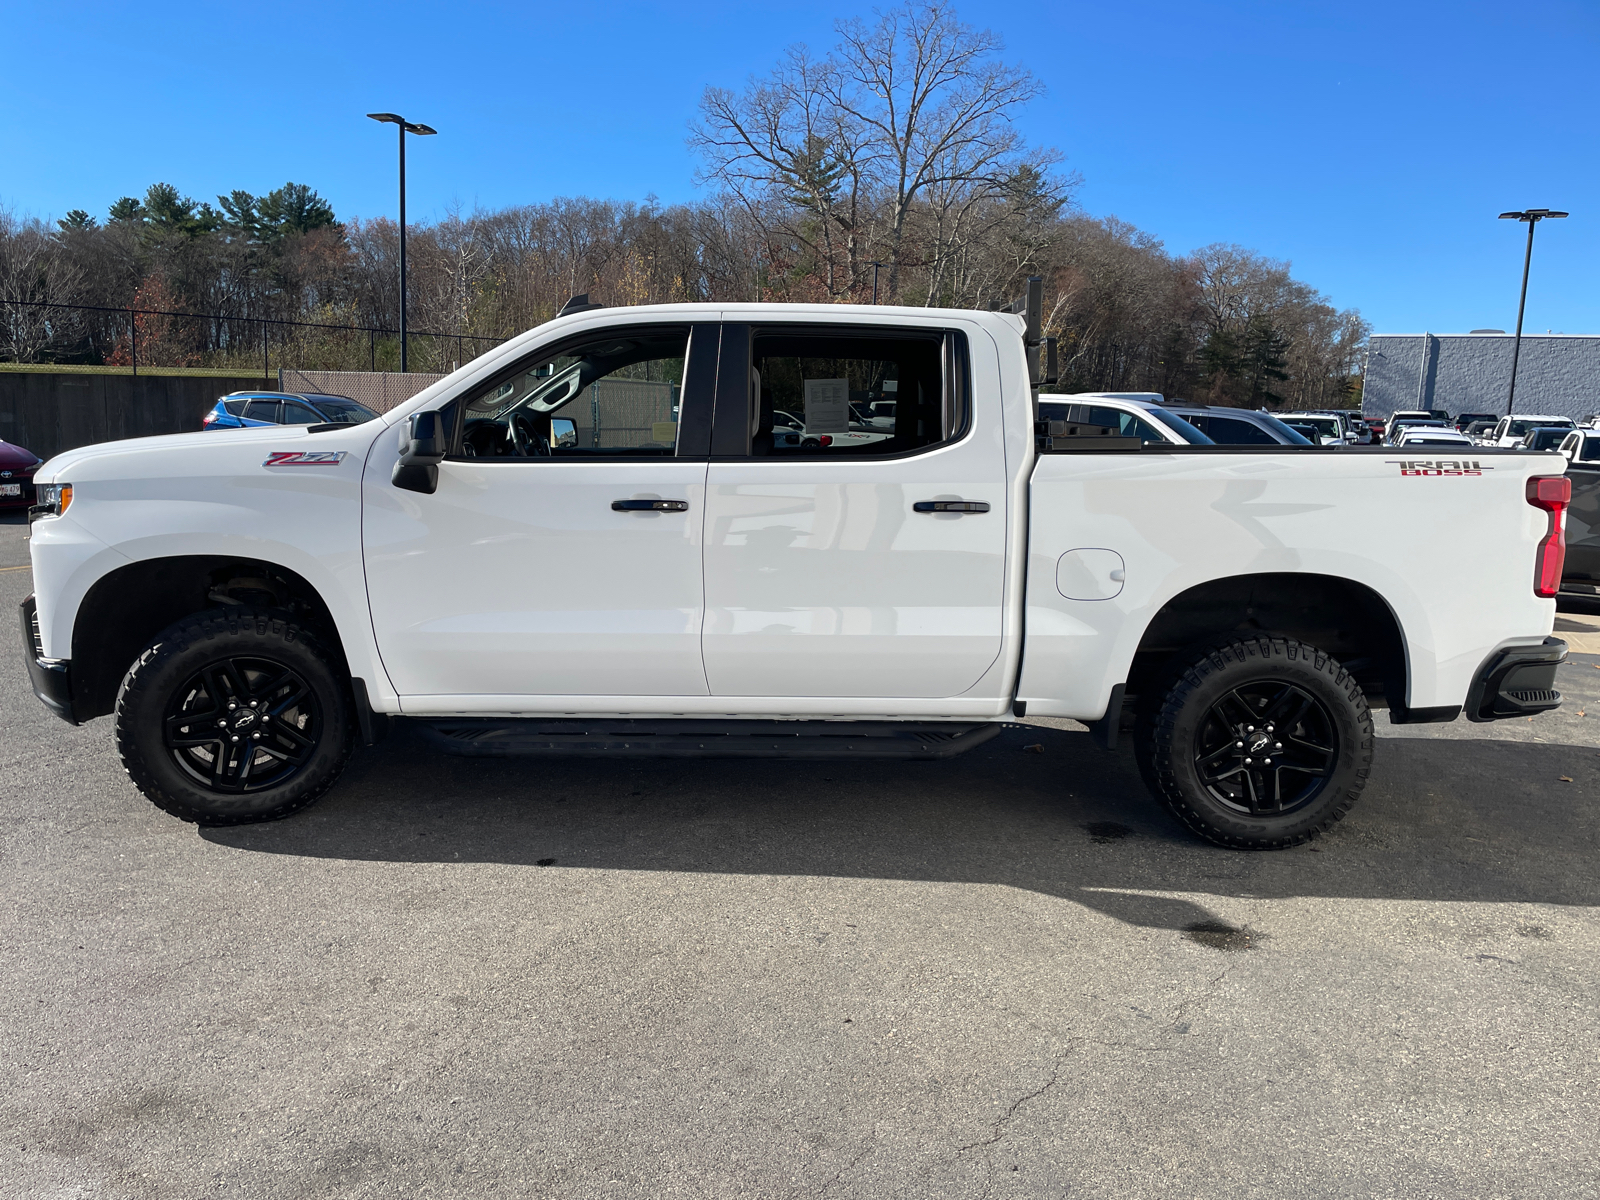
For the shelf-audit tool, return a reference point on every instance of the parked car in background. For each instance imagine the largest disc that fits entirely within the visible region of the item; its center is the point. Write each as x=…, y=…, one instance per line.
x=1376, y=425
x=1361, y=430
x=1236, y=426
x=1548, y=437
x=1479, y=431
x=16, y=475
x=1398, y=425
x=1431, y=434
x=1329, y=430
x=246, y=410
x=1581, y=575
x=1510, y=431
x=1150, y=422
x=1463, y=420
x=1582, y=445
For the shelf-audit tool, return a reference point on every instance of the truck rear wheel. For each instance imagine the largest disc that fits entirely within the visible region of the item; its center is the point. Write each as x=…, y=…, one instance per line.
x=1260, y=743
x=233, y=716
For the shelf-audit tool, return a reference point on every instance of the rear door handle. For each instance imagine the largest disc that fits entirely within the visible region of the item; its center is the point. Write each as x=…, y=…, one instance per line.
x=950, y=506
x=650, y=506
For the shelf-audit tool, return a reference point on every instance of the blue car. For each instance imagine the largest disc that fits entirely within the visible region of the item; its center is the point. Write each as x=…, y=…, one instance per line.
x=245, y=410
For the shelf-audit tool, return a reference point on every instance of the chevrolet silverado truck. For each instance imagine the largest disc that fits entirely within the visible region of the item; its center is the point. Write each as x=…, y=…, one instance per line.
x=589, y=541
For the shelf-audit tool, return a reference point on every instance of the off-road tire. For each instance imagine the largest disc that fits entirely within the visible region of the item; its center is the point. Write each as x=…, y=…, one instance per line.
x=162, y=677
x=1168, y=743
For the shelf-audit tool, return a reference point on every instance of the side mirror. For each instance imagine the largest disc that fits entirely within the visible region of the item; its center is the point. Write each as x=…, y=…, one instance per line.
x=563, y=432
x=421, y=451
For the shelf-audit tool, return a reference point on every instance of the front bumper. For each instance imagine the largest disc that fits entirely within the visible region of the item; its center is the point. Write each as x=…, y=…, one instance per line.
x=1518, y=682
x=51, y=677
x=24, y=497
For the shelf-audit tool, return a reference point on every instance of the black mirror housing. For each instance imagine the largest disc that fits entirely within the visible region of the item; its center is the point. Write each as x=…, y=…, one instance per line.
x=421, y=453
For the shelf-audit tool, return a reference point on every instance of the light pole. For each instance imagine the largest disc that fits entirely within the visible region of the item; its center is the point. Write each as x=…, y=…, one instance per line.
x=1532, y=216
x=405, y=127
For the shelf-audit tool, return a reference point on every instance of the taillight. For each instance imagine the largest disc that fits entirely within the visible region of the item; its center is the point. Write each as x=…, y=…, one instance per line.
x=209, y=419
x=1552, y=493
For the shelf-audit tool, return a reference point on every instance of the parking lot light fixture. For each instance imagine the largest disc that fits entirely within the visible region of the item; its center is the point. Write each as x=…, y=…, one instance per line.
x=404, y=127
x=1532, y=216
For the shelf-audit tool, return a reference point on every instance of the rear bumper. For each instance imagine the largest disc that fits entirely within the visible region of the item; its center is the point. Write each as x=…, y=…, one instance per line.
x=1518, y=682
x=51, y=677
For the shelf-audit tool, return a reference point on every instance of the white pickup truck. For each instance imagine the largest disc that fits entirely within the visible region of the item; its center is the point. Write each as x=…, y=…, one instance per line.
x=588, y=541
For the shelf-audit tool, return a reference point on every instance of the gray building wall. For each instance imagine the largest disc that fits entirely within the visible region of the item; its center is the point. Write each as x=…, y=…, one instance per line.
x=1558, y=374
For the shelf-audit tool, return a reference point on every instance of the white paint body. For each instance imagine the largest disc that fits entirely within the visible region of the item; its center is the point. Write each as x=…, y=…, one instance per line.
x=798, y=588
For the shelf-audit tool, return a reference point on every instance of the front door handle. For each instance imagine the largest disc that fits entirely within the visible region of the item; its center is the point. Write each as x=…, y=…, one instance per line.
x=650, y=506
x=950, y=506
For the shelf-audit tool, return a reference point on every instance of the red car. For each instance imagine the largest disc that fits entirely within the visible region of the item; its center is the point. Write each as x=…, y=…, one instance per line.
x=16, y=476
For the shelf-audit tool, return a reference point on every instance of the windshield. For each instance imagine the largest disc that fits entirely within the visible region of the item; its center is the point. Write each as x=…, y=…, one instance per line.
x=1285, y=434
x=1589, y=450
x=345, y=412
x=1523, y=428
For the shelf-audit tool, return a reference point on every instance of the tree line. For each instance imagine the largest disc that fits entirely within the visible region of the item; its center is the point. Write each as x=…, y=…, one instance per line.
x=892, y=164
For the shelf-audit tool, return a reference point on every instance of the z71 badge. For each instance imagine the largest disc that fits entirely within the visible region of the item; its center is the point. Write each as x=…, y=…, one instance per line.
x=304, y=458
x=1439, y=466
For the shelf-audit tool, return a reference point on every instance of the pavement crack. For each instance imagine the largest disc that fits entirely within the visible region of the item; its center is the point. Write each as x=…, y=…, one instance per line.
x=855, y=1162
x=997, y=1130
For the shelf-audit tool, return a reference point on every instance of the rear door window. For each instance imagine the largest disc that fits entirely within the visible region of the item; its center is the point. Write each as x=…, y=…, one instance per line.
x=261, y=410
x=843, y=393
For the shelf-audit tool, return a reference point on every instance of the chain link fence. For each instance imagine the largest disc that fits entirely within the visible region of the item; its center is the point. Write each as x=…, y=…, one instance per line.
x=143, y=339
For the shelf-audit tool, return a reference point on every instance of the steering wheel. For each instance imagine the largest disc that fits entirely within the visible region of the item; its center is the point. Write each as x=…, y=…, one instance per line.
x=527, y=441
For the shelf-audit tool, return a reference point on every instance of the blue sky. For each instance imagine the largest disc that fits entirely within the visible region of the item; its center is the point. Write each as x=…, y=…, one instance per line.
x=1371, y=144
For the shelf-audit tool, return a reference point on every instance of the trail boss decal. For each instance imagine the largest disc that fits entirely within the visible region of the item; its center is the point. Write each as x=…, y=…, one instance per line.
x=304, y=458
x=1439, y=466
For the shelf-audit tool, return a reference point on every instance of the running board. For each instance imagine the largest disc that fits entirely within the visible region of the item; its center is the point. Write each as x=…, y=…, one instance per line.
x=494, y=737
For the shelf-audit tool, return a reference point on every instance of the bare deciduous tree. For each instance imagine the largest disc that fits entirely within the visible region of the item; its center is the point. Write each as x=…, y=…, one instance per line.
x=33, y=270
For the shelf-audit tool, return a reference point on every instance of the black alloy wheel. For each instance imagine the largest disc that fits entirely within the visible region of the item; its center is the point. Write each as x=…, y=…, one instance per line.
x=1258, y=743
x=235, y=715
x=243, y=724
x=1267, y=747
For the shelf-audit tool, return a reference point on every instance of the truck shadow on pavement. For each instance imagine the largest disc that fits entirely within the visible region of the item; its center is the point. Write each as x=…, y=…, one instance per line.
x=1479, y=821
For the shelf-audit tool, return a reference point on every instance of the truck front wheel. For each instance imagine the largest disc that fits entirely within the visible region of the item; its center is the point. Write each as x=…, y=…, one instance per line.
x=233, y=716
x=1261, y=743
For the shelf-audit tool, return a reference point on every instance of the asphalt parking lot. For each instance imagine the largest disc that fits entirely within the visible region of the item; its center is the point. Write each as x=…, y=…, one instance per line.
x=1006, y=975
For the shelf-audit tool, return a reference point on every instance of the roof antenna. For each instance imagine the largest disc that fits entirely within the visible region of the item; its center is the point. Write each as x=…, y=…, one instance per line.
x=579, y=303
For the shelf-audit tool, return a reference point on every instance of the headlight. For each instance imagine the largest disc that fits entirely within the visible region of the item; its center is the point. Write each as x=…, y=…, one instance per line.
x=53, y=500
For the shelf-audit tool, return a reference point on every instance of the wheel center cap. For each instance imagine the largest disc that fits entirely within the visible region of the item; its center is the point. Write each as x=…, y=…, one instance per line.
x=244, y=718
x=1259, y=742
